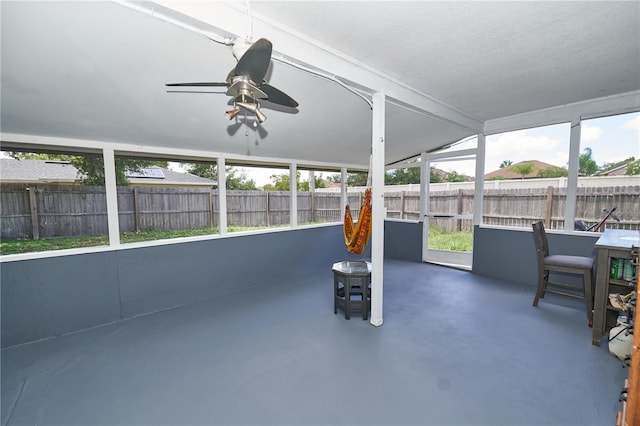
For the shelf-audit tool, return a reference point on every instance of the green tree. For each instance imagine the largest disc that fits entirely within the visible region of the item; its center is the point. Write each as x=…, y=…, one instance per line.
x=281, y=183
x=586, y=165
x=454, y=176
x=402, y=176
x=410, y=175
x=356, y=179
x=553, y=172
x=91, y=168
x=603, y=169
x=522, y=168
x=633, y=168
x=506, y=163
x=317, y=180
x=38, y=156
x=238, y=180
x=434, y=176
x=234, y=179
x=205, y=170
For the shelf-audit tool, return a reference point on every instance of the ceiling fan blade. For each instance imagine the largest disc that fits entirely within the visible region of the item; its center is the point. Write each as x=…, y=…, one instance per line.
x=194, y=91
x=199, y=84
x=277, y=96
x=232, y=129
x=255, y=61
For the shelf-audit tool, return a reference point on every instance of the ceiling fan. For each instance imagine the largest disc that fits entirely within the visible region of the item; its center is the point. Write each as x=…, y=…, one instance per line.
x=246, y=84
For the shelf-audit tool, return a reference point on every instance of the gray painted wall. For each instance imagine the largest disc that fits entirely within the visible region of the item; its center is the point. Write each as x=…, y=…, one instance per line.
x=509, y=254
x=47, y=297
x=52, y=296
x=403, y=241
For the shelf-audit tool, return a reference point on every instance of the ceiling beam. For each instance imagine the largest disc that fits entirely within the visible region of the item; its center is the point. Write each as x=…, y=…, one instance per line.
x=35, y=143
x=224, y=18
x=593, y=108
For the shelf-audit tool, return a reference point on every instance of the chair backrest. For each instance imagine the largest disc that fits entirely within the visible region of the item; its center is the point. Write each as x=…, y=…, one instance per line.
x=540, y=240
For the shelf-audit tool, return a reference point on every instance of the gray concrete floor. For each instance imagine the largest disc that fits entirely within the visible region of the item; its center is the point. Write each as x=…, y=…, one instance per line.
x=455, y=349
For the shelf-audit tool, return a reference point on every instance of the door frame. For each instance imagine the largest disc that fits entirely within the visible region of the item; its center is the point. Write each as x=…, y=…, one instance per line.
x=462, y=260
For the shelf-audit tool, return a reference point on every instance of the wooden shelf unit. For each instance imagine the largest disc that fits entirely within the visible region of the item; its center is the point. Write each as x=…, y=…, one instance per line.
x=629, y=415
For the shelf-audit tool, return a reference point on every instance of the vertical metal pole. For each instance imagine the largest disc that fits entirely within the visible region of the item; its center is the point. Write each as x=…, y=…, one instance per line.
x=312, y=181
x=572, y=179
x=293, y=194
x=377, y=204
x=222, y=195
x=112, y=196
x=478, y=198
x=344, y=199
x=425, y=178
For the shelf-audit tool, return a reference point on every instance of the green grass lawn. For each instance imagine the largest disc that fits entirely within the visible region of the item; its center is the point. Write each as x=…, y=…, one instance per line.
x=456, y=241
x=27, y=246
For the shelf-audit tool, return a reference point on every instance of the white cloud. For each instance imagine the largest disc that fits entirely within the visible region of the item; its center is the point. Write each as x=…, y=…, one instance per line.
x=521, y=146
x=589, y=133
x=633, y=124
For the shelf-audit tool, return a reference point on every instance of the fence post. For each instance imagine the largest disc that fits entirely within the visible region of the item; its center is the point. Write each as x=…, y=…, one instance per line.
x=547, y=216
x=33, y=206
x=459, y=210
x=313, y=206
x=268, y=218
x=136, y=208
x=211, y=213
x=402, y=205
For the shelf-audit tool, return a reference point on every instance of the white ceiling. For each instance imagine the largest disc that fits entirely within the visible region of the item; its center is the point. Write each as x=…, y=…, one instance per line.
x=96, y=71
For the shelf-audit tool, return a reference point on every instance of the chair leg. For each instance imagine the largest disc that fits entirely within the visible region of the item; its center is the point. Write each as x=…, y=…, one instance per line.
x=543, y=279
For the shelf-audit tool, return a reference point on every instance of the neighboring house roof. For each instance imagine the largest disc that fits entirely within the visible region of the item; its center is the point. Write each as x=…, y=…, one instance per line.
x=616, y=171
x=510, y=173
x=61, y=172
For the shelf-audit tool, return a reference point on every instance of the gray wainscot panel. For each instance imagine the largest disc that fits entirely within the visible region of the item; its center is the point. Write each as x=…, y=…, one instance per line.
x=403, y=240
x=509, y=254
x=52, y=296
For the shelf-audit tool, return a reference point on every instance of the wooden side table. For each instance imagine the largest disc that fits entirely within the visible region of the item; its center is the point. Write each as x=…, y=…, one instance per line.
x=355, y=277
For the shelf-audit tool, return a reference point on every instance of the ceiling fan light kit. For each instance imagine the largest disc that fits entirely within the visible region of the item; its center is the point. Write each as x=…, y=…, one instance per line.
x=232, y=113
x=246, y=84
x=253, y=108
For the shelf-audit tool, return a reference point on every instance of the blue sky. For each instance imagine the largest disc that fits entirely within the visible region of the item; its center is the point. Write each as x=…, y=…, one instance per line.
x=611, y=139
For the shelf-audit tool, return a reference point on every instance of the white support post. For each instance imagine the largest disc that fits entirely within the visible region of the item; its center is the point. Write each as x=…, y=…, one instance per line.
x=572, y=179
x=344, y=199
x=425, y=178
x=112, y=196
x=312, y=181
x=478, y=197
x=222, y=196
x=293, y=199
x=377, y=205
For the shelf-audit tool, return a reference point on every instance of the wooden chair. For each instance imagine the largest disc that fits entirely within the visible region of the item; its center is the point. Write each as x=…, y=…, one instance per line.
x=579, y=265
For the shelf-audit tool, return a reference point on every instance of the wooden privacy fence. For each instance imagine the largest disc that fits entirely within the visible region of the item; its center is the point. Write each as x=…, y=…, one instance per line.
x=520, y=207
x=47, y=211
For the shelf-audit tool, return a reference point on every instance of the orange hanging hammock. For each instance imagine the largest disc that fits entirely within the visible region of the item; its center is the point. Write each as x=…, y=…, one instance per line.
x=357, y=237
